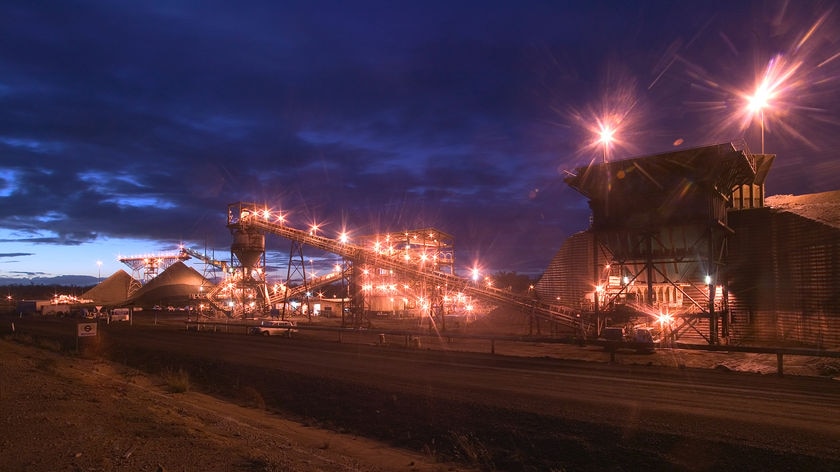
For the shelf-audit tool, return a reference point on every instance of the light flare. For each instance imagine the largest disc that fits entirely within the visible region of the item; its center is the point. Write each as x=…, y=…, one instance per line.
x=613, y=127
x=770, y=96
x=786, y=97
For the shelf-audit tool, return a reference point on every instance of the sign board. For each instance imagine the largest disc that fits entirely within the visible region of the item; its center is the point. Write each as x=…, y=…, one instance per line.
x=86, y=329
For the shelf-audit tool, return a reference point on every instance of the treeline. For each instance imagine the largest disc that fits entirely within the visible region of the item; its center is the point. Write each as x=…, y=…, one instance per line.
x=40, y=292
x=513, y=282
x=510, y=281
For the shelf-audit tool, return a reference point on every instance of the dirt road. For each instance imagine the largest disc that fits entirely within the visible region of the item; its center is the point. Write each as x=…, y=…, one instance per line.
x=498, y=412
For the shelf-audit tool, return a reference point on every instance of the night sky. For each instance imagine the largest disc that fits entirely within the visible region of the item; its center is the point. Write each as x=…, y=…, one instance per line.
x=126, y=127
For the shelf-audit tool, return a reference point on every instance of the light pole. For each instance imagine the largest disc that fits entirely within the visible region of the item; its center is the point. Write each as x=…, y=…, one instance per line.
x=764, y=93
x=605, y=137
x=99, y=271
x=761, y=120
x=756, y=104
x=776, y=82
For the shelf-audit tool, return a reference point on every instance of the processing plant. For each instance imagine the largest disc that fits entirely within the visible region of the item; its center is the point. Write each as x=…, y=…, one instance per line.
x=684, y=242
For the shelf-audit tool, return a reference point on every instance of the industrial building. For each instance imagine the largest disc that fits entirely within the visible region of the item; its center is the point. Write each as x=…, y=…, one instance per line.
x=406, y=273
x=784, y=261
x=687, y=242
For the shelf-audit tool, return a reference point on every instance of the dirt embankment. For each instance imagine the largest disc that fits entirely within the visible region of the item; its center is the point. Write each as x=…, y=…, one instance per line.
x=85, y=414
x=65, y=413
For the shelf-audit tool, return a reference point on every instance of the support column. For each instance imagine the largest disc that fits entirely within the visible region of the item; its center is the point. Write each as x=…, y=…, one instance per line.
x=649, y=268
x=596, y=278
x=713, y=275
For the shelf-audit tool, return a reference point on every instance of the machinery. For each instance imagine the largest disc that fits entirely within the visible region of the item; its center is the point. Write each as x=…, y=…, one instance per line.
x=660, y=236
x=431, y=282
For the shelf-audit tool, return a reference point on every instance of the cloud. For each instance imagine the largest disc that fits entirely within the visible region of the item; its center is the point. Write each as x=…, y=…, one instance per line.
x=144, y=120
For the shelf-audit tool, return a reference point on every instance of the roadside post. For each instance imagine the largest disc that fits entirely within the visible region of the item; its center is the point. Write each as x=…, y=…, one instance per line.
x=85, y=330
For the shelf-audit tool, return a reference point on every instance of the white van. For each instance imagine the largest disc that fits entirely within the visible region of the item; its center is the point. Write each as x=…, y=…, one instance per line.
x=274, y=328
x=120, y=314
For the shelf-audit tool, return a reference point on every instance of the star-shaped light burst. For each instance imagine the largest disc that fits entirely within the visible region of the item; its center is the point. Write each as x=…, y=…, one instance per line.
x=777, y=81
x=612, y=127
x=606, y=134
x=611, y=122
x=791, y=95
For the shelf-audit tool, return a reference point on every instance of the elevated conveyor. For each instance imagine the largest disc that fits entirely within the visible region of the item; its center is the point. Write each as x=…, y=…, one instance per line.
x=208, y=295
x=312, y=284
x=251, y=216
x=223, y=265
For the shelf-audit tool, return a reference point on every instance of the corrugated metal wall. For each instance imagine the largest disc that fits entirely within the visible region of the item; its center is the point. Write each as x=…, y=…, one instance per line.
x=569, y=275
x=784, y=279
x=782, y=271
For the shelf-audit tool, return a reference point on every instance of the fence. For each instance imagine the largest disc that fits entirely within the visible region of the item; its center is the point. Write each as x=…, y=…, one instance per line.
x=412, y=338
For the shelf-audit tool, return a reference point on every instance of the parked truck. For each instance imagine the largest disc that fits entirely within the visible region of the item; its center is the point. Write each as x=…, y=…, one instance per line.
x=640, y=338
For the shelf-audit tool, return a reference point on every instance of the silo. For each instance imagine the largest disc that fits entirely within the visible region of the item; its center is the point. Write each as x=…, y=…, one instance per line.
x=248, y=247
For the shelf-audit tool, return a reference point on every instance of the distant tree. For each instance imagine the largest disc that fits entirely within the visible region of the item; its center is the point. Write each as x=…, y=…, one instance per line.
x=513, y=282
x=33, y=291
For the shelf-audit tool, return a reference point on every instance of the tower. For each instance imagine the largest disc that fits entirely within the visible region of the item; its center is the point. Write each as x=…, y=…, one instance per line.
x=245, y=292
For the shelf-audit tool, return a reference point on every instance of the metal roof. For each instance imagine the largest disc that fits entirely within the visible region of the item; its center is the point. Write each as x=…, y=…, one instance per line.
x=720, y=167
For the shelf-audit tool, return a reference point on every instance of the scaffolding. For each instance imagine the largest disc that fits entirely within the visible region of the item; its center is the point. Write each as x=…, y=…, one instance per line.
x=145, y=268
x=251, y=219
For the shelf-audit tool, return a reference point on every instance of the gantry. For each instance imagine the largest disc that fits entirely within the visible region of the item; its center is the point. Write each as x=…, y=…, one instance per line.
x=145, y=268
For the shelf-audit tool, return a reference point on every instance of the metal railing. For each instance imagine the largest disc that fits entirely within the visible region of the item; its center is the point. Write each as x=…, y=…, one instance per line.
x=609, y=346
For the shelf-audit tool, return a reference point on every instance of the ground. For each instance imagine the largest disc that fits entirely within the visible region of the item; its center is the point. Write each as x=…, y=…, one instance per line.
x=68, y=412
x=122, y=419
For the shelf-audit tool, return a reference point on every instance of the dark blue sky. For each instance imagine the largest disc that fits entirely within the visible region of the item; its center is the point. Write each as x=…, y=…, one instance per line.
x=127, y=127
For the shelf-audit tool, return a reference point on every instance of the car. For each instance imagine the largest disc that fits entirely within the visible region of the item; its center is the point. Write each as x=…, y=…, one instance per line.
x=274, y=328
x=645, y=340
x=614, y=333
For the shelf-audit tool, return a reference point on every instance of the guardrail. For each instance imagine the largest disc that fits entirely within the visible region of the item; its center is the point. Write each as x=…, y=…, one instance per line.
x=780, y=352
x=412, y=337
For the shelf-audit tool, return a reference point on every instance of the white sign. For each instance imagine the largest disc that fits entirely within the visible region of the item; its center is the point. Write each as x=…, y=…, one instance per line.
x=86, y=329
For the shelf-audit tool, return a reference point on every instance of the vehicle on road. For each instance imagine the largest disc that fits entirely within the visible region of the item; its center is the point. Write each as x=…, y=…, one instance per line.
x=274, y=328
x=639, y=338
x=120, y=314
